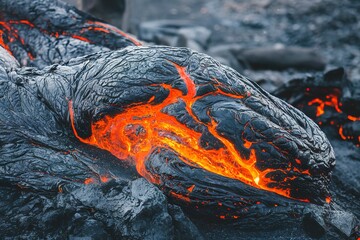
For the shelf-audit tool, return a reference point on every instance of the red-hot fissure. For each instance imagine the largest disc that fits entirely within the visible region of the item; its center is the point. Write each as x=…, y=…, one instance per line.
x=90, y=26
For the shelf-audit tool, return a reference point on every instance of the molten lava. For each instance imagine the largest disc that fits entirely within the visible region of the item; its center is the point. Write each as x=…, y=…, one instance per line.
x=142, y=127
x=5, y=39
x=332, y=100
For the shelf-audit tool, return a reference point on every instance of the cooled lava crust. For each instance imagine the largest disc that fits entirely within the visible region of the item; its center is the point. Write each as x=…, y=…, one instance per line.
x=208, y=137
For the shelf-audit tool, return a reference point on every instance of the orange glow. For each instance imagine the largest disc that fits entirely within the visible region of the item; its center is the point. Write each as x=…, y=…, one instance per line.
x=104, y=179
x=179, y=196
x=2, y=43
x=191, y=188
x=80, y=38
x=10, y=39
x=328, y=200
x=134, y=133
x=352, y=118
x=341, y=133
x=93, y=26
x=103, y=27
x=13, y=34
x=89, y=180
x=332, y=100
x=320, y=109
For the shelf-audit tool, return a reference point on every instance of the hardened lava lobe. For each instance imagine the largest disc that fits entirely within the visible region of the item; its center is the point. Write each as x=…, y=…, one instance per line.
x=201, y=131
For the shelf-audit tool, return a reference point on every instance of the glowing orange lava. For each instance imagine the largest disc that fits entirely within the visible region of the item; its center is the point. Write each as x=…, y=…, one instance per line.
x=89, y=180
x=103, y=27
x=332, y=100
x=352, y=118
x=134, y=133
x=341, y=133
x=89, y=26
x=13, y=36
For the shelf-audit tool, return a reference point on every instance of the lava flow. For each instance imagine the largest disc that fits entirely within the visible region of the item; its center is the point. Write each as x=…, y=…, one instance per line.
x=332, y=100
x=140, y=128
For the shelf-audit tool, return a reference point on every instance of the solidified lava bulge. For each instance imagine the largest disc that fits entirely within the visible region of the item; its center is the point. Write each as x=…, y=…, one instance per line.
x=244, y=135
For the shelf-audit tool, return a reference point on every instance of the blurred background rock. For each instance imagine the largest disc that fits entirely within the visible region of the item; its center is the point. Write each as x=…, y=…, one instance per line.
x=109, y=10
x=271, y=41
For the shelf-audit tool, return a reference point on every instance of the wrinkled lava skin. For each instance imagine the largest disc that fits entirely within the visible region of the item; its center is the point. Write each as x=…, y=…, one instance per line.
x=208, y=137
x=110, y=83
x=40, y=33
x=260, y=127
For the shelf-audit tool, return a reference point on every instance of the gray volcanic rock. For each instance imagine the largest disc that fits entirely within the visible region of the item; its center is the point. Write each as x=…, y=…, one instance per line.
x=280, y=58
x=137, y=210
x=134, y=210
x=228, y=55
x=343, y=221
x=178, y=33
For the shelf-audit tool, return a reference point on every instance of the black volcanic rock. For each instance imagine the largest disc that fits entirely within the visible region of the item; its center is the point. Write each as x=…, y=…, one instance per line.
x=314, y=224
x=183, y=227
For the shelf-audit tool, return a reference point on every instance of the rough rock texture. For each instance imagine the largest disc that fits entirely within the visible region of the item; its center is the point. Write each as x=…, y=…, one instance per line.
x=40, y=33
x=131, y=210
